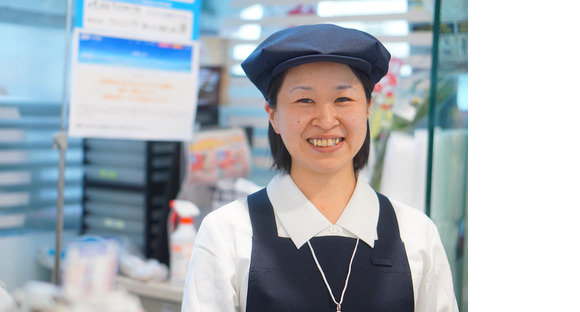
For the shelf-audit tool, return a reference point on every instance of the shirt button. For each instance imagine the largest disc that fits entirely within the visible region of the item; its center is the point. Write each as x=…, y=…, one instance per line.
x=333, y=230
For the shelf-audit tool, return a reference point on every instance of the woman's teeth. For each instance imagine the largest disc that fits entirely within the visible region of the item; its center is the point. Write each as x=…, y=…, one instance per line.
x=324, y=142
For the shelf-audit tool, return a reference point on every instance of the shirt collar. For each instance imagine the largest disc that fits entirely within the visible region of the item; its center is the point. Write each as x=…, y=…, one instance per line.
x=302, y=220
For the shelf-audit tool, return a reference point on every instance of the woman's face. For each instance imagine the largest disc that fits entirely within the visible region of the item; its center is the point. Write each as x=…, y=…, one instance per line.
x=321, y=115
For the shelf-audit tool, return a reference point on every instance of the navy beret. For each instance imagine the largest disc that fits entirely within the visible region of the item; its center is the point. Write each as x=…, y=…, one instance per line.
x=316, y=43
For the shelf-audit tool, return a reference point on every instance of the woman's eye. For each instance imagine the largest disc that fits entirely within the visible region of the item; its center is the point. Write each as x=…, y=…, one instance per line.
x=343, y=99
x=304, y=100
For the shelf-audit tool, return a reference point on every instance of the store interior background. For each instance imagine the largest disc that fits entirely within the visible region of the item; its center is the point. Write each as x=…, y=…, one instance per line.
x=432, y=178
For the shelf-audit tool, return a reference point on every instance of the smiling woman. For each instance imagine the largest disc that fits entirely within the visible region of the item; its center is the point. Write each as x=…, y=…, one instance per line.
x=318, y=238
x=282, y=159
x=320, y=115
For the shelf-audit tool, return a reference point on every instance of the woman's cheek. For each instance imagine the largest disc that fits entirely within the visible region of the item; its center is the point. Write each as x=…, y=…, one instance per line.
x=358, y=117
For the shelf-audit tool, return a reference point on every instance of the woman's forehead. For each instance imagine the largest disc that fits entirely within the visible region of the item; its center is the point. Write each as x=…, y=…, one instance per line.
x=331, y=74
x=319, y=66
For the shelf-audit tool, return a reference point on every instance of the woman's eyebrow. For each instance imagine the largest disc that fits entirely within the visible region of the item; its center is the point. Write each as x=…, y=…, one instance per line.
x=307, y=88
x=343, y=87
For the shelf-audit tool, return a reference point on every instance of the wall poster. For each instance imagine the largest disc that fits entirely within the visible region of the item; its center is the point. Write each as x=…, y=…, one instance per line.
x=134, y=72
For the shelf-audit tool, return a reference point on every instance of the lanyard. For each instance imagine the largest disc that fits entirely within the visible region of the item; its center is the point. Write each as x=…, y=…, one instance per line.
x=338, y=304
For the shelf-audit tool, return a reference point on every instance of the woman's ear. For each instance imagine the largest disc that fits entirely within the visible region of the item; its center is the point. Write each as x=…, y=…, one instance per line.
x=271, y=112
x=369, y=108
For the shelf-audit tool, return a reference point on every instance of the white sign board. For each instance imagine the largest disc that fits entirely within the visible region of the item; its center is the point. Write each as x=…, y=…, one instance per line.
x=132, y=88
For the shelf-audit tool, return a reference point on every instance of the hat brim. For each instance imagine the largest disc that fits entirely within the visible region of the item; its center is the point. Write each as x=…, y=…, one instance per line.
x=347, y=60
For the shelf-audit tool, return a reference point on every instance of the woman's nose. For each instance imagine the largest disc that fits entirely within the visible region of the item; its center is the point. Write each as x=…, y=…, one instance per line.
x=326, y=116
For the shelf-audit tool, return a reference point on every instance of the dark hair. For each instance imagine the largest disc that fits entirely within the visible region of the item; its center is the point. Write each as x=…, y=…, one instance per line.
x=282, y=161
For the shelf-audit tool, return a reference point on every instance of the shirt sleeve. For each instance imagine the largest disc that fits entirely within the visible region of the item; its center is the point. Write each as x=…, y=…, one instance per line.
x=210, y=277
x=436, y=293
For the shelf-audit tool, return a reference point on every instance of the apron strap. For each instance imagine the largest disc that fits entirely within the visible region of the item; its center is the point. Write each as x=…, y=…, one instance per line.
x=262, y=214
x=387, y=227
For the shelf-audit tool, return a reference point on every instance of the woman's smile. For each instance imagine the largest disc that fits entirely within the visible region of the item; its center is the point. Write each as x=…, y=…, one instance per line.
x=325, y=142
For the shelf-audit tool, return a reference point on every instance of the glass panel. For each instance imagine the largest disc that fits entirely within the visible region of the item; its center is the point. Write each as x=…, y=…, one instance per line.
x=449, y=159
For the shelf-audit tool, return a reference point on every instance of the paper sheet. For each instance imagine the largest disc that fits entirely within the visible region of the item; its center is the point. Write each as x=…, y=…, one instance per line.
x=128, y=88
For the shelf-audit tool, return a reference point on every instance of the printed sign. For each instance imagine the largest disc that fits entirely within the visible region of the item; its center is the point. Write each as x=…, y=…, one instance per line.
x=160, y=18
x=132, y=88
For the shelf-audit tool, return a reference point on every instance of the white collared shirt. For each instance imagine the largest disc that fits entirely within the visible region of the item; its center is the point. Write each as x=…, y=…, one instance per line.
x=217, y=278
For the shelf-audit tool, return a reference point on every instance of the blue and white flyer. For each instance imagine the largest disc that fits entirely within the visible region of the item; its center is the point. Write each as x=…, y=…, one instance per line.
x=134, y=72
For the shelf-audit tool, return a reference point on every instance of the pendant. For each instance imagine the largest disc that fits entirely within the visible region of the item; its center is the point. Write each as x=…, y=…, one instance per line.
x=338, y=309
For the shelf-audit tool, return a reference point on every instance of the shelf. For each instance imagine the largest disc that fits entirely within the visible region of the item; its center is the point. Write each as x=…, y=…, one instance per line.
x=45, y=17
x=162, y=291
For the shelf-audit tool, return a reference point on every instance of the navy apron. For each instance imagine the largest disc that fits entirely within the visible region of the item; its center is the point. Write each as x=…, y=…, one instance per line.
x=283, y=278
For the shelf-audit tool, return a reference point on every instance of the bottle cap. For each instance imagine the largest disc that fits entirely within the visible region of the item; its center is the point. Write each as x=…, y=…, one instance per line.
x=186, y=220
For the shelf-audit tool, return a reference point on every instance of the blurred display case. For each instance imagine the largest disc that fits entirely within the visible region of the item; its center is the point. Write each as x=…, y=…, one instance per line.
x=127, y=188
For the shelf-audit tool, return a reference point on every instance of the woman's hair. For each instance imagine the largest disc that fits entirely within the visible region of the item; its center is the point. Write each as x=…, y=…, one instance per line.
x=281, y=156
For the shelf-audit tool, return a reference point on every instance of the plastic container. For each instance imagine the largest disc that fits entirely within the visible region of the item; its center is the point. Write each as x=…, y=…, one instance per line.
x=181, y=240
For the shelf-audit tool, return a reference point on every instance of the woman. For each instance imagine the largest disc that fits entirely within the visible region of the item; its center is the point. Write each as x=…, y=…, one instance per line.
x=318, y=238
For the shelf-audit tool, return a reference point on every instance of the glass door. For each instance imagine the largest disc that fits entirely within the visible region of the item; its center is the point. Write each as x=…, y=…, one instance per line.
x=447, y=150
